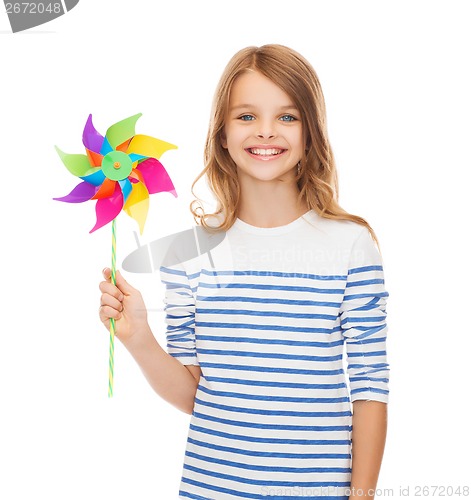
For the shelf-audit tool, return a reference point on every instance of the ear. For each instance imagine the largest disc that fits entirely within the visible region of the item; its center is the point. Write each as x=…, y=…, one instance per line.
x=223, y=140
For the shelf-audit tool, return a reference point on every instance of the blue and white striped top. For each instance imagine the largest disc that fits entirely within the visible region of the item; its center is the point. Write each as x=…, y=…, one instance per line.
x=266, y=316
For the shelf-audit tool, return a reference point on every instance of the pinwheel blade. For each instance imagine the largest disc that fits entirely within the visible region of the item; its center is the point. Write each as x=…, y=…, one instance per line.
x=105, y=148
x=76, y=164
x=149, y=146
x=108, y=208
x=124, y=146
x=81, y=192
x=126, y=188
x=105, y=190
x=122, y=131
x=96, y=177
x=137, y=204
x=92, y=139
x=156, y=177
x=135, y=157
x=94, y=158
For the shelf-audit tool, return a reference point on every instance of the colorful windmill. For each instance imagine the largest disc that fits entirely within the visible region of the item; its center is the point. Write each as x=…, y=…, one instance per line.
x=119, y=170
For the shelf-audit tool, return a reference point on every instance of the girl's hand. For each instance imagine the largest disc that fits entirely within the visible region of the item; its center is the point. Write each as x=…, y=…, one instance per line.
x=124, y=303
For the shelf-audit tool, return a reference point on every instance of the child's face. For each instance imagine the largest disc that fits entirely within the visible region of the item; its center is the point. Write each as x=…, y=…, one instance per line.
x=262, y=131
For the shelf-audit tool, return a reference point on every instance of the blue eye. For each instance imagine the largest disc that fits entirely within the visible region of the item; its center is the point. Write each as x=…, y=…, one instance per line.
x=287, y=118
x=246, y=118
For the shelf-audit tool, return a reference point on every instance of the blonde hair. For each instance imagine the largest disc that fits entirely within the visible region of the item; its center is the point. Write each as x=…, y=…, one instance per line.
x=317, y=180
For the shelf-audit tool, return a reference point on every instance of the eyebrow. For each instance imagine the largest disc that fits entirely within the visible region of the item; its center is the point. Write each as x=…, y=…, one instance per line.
x=240, y=106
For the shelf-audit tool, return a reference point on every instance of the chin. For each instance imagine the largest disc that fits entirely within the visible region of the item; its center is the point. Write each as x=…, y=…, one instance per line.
x=268, y=175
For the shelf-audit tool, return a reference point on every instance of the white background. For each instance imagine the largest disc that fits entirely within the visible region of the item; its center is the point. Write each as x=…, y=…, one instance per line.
x=397, y=86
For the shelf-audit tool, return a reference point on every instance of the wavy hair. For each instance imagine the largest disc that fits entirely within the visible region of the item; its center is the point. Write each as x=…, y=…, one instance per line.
x=317, y=179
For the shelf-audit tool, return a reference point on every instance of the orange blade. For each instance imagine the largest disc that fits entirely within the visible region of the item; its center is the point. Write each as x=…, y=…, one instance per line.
x=94, y=158
x=124, y=146
x=106, y=189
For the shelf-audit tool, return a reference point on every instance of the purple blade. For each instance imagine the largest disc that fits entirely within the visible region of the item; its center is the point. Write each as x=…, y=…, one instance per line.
x=92, y=139
x=156, y=177
x=81, y=192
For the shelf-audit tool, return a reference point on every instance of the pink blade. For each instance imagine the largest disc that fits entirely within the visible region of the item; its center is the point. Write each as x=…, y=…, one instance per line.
x=81, y=192
x=155, y=176
x=108, y=208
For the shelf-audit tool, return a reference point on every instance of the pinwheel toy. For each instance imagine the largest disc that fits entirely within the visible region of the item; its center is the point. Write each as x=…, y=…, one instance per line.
x=119, y=171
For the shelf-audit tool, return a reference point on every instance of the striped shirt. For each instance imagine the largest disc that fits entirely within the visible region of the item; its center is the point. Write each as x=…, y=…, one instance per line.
x=268, y=316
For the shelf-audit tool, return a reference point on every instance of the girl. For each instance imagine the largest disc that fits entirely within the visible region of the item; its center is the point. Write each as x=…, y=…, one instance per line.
x=256, y=331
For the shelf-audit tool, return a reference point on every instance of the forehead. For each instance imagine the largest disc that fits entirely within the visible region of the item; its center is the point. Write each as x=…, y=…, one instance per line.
x=253, y=88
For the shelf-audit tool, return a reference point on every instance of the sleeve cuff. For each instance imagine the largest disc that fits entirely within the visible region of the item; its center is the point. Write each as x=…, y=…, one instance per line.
x=185, y=359
x=370, y=396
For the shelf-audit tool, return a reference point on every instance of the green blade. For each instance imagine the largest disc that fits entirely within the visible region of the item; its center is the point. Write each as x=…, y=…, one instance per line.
x=122, y=131
x=76, y=164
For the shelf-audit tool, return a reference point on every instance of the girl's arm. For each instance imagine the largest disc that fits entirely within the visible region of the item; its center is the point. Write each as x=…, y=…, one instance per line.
x=170, y=379
x=167, y=376
x=368, y=442
x=364, y=327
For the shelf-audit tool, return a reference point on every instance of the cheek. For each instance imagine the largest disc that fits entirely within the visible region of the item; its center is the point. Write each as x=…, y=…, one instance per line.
x=298, y=139
x=232, y=138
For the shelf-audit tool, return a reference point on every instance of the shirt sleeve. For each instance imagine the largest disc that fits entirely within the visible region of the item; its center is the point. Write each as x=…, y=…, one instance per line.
x=179, y=307
x=363, y=322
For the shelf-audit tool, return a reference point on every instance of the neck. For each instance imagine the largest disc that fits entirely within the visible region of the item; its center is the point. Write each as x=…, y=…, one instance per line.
x=270, y=203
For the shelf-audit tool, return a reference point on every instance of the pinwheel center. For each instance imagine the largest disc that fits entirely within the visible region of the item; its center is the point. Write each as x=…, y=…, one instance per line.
x=116, y=165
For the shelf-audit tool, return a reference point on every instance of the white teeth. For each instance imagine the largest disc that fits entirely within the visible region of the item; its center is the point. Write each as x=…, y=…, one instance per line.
x=265, y=152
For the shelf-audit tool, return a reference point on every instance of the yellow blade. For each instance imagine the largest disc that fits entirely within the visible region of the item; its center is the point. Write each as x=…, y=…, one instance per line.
x=137, y=204
x=148, y=146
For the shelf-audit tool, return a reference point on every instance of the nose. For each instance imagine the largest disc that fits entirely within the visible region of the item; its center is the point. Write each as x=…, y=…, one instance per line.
x=266, y=135
x=266, y=130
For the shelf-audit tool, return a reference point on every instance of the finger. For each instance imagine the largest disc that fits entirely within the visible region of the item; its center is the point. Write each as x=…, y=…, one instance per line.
x=110, y=289
x=106, y=322
x=104, y=319
x=123, y=285
x=108, y=300
x=107, y=312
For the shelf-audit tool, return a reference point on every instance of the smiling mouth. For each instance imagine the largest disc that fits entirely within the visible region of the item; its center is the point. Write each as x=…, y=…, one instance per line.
x=265, y=152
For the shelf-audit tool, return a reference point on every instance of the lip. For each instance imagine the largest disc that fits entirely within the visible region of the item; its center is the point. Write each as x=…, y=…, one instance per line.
x=265, y=146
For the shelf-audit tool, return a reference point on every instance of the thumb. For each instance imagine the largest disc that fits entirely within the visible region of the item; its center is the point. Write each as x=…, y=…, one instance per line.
x=123, y=285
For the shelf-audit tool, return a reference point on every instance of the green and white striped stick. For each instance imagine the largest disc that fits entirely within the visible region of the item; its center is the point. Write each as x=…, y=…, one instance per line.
x=112, y=325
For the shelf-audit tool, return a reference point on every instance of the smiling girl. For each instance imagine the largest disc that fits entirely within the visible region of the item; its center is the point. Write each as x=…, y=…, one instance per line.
x=257, y=333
